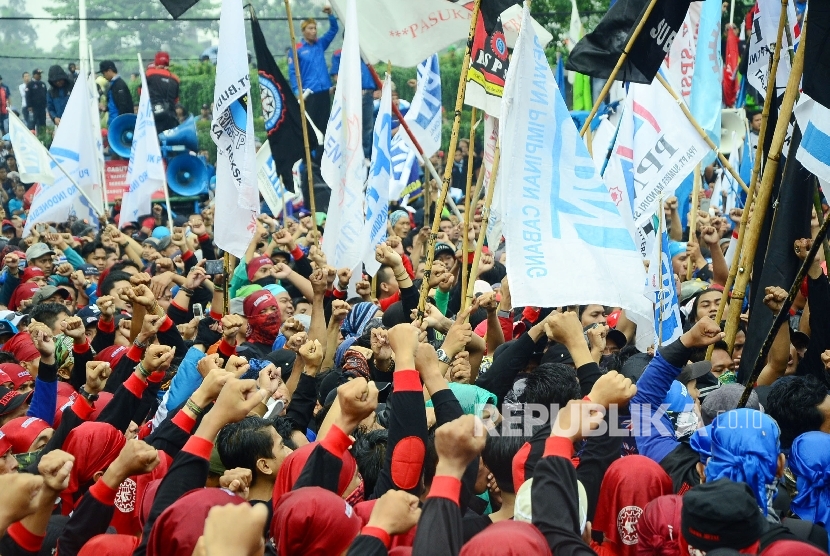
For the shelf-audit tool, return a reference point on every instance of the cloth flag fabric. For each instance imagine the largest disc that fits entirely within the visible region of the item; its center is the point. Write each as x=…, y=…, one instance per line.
x=560, y=72
x=559, y=219
x=730, y=69
x=178, y=7
x=280, y=110
x=232, y=130
x=424, y=114
x=679, y=66
x=377, y=186
x=598, y=51
x=270, y=185
x=656, y=148
x=765, y=17
x=33, y=160
x=342, y=167
x=495, y=224
x=661, y=288
x=817, y=54
x=814, y=151
x=404, y=167
x=145, y=173
x=489, y=60
x=707, y=90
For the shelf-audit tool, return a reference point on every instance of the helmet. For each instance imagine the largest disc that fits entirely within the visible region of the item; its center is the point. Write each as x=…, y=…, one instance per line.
x=162, y=59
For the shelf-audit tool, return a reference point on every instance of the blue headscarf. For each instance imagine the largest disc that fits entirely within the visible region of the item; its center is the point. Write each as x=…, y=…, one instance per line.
x=357, y=319
x=396, y=216
x=745, y=449
x=701, y=442
x=342, y=349
x=810, y=461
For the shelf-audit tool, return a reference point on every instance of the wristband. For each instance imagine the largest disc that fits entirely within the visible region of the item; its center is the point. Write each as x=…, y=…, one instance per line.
x=140, y=345
x=195, y=409
x=188, y=291
x=505, y=314
x=142, y=370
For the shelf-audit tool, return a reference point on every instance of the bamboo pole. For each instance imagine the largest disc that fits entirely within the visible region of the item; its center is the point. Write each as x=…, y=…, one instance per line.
x=820, y=216
x=459, y=101
x=693, y=222
x=623, y=56
x=753, y=182
x=765, y=190
x=226, y=263
x=485, y=216
x=724, y=162
x=301, y=98
x=465, y=241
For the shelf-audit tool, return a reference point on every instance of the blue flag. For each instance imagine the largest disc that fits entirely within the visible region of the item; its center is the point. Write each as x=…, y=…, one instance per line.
x=707, y=92
x=667, y=324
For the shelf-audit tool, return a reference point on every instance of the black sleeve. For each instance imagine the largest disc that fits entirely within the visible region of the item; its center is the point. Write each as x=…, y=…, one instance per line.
x=555, y=502
x=302, y=266
x=121, y=409
x=188, y=472
x=8, y=547
x=8, y=288
x=121, y=372
x=208, y=251
x=102, y=340
x=818, y=296
x=169, y=437
x=122, y=98
x=321, y=470
x=500, y=376
x=78, y=377
x=179, y=315
x=89, y=518
x=301, y=409
x=172, y=337
x=440, y=530
x=407, y=421
x=189, y=263
x=588, y=374
x=366, y=545
x=409, y=299
x=599, y=452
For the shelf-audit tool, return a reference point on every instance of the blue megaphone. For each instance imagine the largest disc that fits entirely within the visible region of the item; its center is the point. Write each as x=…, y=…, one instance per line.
x=181, y=138
x=120, y=134
x=187, y=175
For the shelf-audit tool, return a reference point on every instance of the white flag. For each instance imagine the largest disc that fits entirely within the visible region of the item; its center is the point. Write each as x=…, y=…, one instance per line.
x=232, y=129
x=424, y=114
x=656, y=148
x=270, y=185
x=814, y=150
x=145, y=174
x=495, y=223
x=377, y=187
x=765, y=16
x=567, y=243
x=33, y=160
x=343, y=168
x=680, y=61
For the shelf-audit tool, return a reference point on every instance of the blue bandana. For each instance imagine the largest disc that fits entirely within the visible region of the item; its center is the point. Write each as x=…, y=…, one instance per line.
x=810, y=461
x=357, y=319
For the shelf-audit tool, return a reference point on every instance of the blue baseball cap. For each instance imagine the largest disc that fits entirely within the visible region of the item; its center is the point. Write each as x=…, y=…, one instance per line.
x=678, y=398
x=160, y=232
x=7, y=327
x=89, y=315
x=676, y=248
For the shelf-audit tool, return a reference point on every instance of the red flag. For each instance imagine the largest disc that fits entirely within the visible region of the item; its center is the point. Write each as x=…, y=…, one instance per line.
x=730, y=68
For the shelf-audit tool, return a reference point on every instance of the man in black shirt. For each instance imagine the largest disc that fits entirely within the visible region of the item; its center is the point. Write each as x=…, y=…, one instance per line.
x=36, y=99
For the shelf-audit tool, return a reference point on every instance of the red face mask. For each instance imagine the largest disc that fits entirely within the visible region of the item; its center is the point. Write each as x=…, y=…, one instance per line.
x=264, y=328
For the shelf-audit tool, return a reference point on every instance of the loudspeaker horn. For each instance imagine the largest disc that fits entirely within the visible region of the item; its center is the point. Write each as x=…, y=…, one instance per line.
x=120, y=134
x=182, y=138
x=187, y=175
x=732, y=129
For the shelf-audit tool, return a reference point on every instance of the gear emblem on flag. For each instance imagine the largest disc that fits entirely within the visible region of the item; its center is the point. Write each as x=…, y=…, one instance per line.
x=272, y=105
x=499, y=45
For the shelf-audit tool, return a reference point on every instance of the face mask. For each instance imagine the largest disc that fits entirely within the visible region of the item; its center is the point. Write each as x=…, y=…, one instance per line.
x=266, y=281
x=27, y=459
x=685, y=424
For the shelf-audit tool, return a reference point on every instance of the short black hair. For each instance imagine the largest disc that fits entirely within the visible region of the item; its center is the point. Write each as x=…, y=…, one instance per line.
x=498, y=457
x=551, y=384
x=7, y=357
x=242, y=444
x=109, y=282
x=48, y=313
x=121, y=265
x=793, y=402
x=720, y=344
x=370, y=454
x=89, y=248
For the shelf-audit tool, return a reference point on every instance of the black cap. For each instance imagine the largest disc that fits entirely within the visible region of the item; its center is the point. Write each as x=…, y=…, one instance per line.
x=37, y=70
x=11, y=400
x=557, y=353
x=105, y=65
x=721, y=514
x=634, y=367
x=693, y=371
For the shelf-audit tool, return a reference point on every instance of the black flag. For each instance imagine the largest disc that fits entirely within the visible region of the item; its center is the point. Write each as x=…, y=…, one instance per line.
x=281, y=111
x=178, y=7
x=776, y=264
x=598, y=52
x=817, y=54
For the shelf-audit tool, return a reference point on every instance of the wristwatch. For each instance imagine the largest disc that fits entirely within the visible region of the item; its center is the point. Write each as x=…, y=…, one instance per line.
x=87, y=396
x=443, y=357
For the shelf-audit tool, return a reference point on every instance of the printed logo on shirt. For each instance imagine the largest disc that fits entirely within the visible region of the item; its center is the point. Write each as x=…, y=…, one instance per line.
x=125, y=497
x=627, y=523
x=349, y=510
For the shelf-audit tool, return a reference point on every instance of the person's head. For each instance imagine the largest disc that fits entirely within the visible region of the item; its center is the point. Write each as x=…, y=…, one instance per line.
x=261, y=271
x=464, y=146
x=498, y=456
x=679, y=257
x=449, y=228
x=810, y=462
x=180, y=112
x=370, y=454
x=26, y=77
x=387, y=284
x=755, y=117
x=206, y=110
x=738, y=346
x=301, y=306
x=37, y=75
x=94, y=253
x=22, y=380
x=150, y=249
x=721, y=514
x=4, y=173
x=114, y=282
x=285, y=306
x=798, y=404
x=27, y=434
x=658, y=528
x=51, y=314
x=706, y=305
x=253, y=443
x=400, y=223
x=459, y=155
x=551, y=384
x=13, y=404
x=8, y=463
x=309, y=29
x=108, y=69
x=721, y=359
x=592, y=314
x=11, y=162
x=162, y=59
x=41, y=256
x=19, y=190
x=302, y=514
x=72, y=67
x=446, y=254
x=9, y=231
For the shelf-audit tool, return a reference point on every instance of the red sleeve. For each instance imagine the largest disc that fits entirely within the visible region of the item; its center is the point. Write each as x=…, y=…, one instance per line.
x=187, y=255
x=82, y=408
x=215, y=315
x=135, y=353
x=407, y=264
x=297, y=253
x=135, y=385
x=336, y=441
x=406, y=381
x=386, y=303
x=445, y=487
x=101, y=492
x=184, y=422
x=226, y=349
x=81, y=348
x=379, y=534
x=24, y=538
x=204, y=238
x=337, y=294
x=168, y=322
x=177, y=306
x=198, y=447
x=557, y=446
x=105, y=326
x=506, y=328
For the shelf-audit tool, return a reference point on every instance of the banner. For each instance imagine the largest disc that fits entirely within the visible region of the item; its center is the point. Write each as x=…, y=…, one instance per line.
x=730, y=69
x=269, y=182
x=488, y=65
x=765, y=16
x=817, y=54
x=656, y=148
x=33, y=160
x=495, y=223
x=377, y=187
x=661, y=288
x=679, y=65
x=814, y=151
x=707, y=90
x=560, y=222
x=145, y=173
x=232, y=129
x=424, y=114
x=281, y=112
x=342, y=166
x=178, y=7
x=598, y=52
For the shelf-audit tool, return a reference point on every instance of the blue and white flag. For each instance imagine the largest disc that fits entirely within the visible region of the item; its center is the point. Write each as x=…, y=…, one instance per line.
x=33, y=160
x=270, y=184
x=661, y=288
x=377, y=186
x=814, y=151
x=145, y=173
x=343, y=165
x=707, y=91
x=567, y=243
x=656, y=148
x=232, y=129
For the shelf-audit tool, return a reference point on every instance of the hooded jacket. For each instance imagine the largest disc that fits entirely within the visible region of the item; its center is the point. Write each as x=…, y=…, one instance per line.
x=58, y=97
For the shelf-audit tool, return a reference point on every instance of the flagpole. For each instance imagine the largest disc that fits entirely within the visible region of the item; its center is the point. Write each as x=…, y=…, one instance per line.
x=485, y=216
x=465, y=242
x=610, y=81
x=459, y=102
x=703, y=135
x=693, y=221
x=765, y=191
x=309, y=172
x=97, y=126
x=164, y=179
x=73, y=182
x=756, y=167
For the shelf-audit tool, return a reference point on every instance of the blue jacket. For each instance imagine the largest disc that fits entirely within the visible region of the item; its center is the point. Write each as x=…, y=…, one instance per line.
x=367, y=82
x=312, y=58
x=57, y=104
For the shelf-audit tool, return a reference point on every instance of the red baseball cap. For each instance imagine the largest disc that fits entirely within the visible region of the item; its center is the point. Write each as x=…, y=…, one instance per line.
x=18, y=375
x=22, y=431
x=258, y=301
x=256, y=264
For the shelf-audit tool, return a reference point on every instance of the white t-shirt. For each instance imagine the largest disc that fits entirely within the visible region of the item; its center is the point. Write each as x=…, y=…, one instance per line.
x=22, y=89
